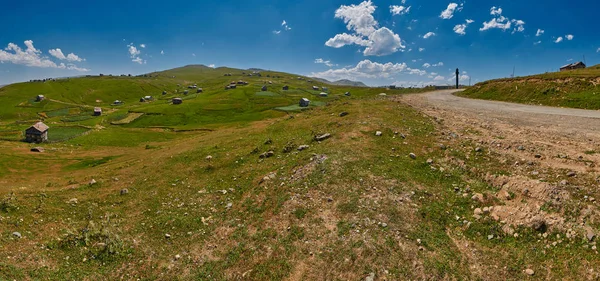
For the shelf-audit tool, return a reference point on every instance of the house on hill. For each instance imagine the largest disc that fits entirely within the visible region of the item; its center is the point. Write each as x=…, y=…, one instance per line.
x=199, y=90
x=285, y=88
x=97, y=111
x=264, y=88
x=576, y=65
x=177, y=101
x=323, y=94
x=40, y=98
x=304, y=102
x=37, y=133
x=315, y=88
x=347, y=94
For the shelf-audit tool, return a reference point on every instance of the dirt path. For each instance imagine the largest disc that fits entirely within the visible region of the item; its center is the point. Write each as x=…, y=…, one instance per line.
x=550, y=154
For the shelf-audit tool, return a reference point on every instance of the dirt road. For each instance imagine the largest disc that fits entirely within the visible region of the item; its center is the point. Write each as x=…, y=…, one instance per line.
x=549, y=154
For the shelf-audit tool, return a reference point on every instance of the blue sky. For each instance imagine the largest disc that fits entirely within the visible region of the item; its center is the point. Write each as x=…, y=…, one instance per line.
x=379, y=42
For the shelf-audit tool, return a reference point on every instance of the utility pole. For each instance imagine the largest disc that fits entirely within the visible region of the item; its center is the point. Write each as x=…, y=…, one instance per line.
x=457, y=72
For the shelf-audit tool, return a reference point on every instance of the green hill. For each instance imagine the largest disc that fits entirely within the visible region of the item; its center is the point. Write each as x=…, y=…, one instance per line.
x=576, y=88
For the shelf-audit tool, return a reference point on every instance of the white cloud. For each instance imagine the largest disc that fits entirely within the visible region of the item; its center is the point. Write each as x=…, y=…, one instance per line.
x=57, y=53
x=449, y=12
x=569, y=37
x=325, y=62
x=501, y=22
x=134, y=54
x=537, y=43
x=428, y=34
x=285, y=26
x=193, y=55
x=598, y=51
x=539, y=33
x=399, y=10
x=461, y=28
x=433, y=73
x=426, y=65
x=365, y=31
x=211, y=65
x=558, y=40
x=439, y=78
x=421, y=49
x=276, y=31
x=439, y=64
x=33, y=57
x=143, y=45
x=364, y=69
x=162, y=52
x=495, y=11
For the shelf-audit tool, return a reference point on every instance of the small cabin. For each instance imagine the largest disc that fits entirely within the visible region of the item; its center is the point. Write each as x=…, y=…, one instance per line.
x=177, y=101
x=264, y=88
x=164, y=93
x=325, y=89
x=315, y=88
x=392, y=87
x=97, y=111
x=577, y=65
x=40, y=98
x=186, y=92
x=285, y=88
x=232, y=86
x=37, y=133
x=347, y=94
x=118, y=102
x=270, y=82
x=323, y=94
x=304, y=102
x=199, y=90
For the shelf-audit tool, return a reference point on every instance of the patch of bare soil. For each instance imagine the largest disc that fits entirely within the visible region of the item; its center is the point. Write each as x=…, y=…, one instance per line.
x=552, y=181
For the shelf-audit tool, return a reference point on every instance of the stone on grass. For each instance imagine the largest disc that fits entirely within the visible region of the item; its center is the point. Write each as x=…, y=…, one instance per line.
x=590, y=235
x=478, y=211
x=38, y=149
x=17, y=234
x=378, y=133
x=168, y=236
x=371, y=277
x=429, y=161
x=209, y=157
x=322, y=137
x=478, y=149
x=478, y=197
x=529, y=272
x=343, y=114
x=93, y=181
x=267, y=154
x=124, y=191
x=412, y=156
x=303, y=147
x=571, y=174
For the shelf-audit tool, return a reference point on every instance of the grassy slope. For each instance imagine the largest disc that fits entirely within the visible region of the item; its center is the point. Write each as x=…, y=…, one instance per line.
x=577, y=89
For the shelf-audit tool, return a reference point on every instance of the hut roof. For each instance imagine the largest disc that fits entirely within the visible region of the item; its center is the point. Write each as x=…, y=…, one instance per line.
x=97, y=109
x=39, y=126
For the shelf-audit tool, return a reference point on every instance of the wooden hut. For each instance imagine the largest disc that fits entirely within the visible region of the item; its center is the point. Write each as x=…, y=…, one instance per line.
x=37, y=133
x=323, y=94
x=264, y=88
x=97, y=111
x=40, y=98
x=304, y=102
x=199, y=90
x=286, y=87
x=177, y=101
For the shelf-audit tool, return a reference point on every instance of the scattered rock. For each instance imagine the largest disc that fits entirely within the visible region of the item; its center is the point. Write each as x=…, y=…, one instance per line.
x=443, y=147
x=503, y=194
x=168, y=236
x=269, y=141
x=379, y=133
x=478, y=149
x=92, y=182
x=177, y=257
x=478, y=211
x=384, y=225
x=412, y=156
x=571, y=174
x=303, y=147
x=429, y=161
x=343, y=114
x=17, y=234
x=590, y=235
x=73, y=201
x=478, y=197
x=124, y=191
x=490, y=237
x=322, y=137
x=521, y=148
x=38, y=149
x=529, y=272
x=564, y=182
x=539, y=224
x=371, y=277
x=229, y=205
x=209, y=157
x=538, y=156
x=267, y=154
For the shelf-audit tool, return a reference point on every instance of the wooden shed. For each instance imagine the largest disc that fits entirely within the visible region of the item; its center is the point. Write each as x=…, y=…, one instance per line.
x=177, y=101
x=40, y=98
x=37, y=133
x=199, y=90
x=286, y=87
x=304, y=102
x=323, y=94
x=97, y=111
x=576, y=65
x=264, y=88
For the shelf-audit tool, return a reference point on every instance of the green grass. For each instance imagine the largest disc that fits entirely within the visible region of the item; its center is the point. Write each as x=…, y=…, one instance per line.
x=59, y=134
x=576, y=89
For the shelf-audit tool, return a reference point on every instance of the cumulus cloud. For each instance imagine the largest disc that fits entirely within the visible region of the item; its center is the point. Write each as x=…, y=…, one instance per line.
x=495, y=11
x=598, y=51
x=285, y=26
x=439, y=64
x=537, y=43
x=449, y=12
x=325, y=62
x=439, y=78
x=134, y=54
x=558, y=40
x=399, y=10
x=162, y=52
x=569, y=37
x=421, y=49
x=365, y=31
x=142, y=45
x=57, y=53
x=211, y=65
x=502, y=22
x=33, y=57
x=365, y=69
x=426, y=65
x=428, y=34
x=539, y=32
x=461, y=28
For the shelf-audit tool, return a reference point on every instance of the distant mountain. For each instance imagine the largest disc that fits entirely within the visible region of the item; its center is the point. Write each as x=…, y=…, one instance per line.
x=343, y=82
x=256, y=69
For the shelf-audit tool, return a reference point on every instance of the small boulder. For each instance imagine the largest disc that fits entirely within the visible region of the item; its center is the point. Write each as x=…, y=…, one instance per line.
x=92, y=182
x=529, y=272
x=429, y=161
x=412, y=156
x=379, y=133
x=503, y=194
x=124, y=191
x=571, y=174
x=322, y=137
x=38, y=149
x=17, y=235
x=371, y=277
x=443, y=147
x=590, y=235
x=478, y=197
x=73, y=201
x=343, y=114
x=168, y=236
x=478, y=149
x=478, y=211
x=209, y=157
x=303, y=147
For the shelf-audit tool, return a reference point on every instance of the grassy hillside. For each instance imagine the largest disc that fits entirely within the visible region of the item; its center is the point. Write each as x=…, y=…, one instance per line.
x=576, y=88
